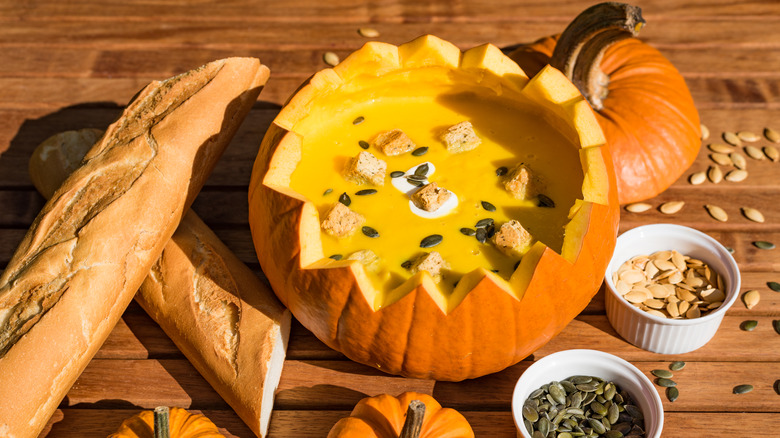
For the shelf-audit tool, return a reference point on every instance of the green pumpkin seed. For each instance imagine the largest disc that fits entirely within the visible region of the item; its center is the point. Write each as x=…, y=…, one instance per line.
x=396, y=174
x=488, y=206
x=545, y=201
x=345, y=199
x=598, y=408
x=749, y=325
x=743, y=389
x=365, y=192
x=634, y=412
x=530, y=414
x=558, y=393
x=416, y=178
x=613, y=434
x=468, y=231
x=677, y=366
x=775, y=286
x=327, y=192
x=776, y=325
x=422, y=170
x=407, y=264
x=762, y=244
x=336, y=257
x=363, y=144
x=420, y=151
x=663, y=373
x=482, y=223
x=730, y=250
x=581, y=379
x=370, y=232
x=431, y=241
x=665, y=383
x=543, y=426
x=481, y=235
x=597, y=426
x=613, y=413
x=776, y=386
x=672, y=394
x=501, y=171
x=358, y=120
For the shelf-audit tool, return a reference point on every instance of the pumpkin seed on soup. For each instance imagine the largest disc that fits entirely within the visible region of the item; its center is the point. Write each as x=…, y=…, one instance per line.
x=336, y=257
x=420, y=151
x=481, y=235
x=545, y=201
x=422, y=170
x=502, y=171
x=431, y=241
x=482, y=223
x=363, y=144
x=358, y=120
x=365, y=192
x=345, y=199
x=370, y=232
x=327, y=192
x=396, y=174
x=488, y=206
x=468, y=231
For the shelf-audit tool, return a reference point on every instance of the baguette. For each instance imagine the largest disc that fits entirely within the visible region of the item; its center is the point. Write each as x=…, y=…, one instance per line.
x=228, y=324
x=89, y=249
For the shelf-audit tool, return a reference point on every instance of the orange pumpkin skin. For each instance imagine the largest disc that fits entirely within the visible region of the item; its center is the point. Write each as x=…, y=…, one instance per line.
x=649, y=117
x=182, y=424
x=488, y=331
x=383, y=416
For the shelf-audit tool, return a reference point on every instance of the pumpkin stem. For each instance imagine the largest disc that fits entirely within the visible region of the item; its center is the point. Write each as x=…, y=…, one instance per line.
x=581, y=46
x=161, y=422
x=415, y=414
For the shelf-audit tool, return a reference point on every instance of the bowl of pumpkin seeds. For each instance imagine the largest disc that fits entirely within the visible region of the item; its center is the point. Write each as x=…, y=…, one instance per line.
x=586, y=393
x=668, y=287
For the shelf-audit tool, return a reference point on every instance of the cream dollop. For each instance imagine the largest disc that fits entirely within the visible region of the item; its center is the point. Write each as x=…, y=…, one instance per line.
x=403, y=185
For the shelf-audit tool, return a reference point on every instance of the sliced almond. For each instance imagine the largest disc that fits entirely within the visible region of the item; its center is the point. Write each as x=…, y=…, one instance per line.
x=772, y=153
x=722, y=159
x=715, y=174
x=732, y=138
x=754, y=153
x=751, y=298
x=772, y=135
x=748, y=136
x=638, y=207
x=753, y=214
x=671, y=207
x=738, y=160
x=697, y=178
x=736, y=175
x=717, y=213
x=705, y=132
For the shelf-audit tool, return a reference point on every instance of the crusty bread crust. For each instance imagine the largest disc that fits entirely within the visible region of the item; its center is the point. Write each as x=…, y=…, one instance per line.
x=93, y=243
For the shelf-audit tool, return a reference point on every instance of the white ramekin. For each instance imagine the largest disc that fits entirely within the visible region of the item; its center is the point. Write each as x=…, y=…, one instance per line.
x=661, y=335
x=568, y=363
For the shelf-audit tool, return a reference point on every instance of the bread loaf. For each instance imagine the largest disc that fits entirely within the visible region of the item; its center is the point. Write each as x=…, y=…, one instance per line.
x=228, y=323
x=93, y=243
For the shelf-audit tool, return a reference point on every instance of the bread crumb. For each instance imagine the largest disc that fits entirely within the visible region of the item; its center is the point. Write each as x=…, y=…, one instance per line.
x=460, y=138
x=394, y=142
x=522, y=183
x=366, y=168
x=431, y=262
x=340, y=221
x=430, y=197
x=367, y=257
x=512, y=239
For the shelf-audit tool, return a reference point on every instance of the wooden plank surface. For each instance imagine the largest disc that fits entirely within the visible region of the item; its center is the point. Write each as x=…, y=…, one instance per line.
x=69, y=65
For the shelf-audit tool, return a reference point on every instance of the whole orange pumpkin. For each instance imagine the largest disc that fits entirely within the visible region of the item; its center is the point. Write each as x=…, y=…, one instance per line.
x=642, y=102
x=487, y=322
x=384, y=416
x=182, y=424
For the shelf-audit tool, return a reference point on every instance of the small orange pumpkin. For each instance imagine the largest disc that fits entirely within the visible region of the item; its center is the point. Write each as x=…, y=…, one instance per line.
x=642, y=102
x=182, y=424
x=384, y=416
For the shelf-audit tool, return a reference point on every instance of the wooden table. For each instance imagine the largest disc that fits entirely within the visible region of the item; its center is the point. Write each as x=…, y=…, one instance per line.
x=68, y=65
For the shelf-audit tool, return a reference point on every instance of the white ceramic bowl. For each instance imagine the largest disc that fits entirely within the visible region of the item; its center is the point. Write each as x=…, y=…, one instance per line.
x=568, y=363
x=661, y=335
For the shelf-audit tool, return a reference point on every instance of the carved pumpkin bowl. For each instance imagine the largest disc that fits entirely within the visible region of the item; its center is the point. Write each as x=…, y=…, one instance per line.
x=484, y=274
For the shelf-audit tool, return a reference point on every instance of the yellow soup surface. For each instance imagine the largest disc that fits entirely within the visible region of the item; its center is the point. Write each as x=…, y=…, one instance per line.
x=510, y=134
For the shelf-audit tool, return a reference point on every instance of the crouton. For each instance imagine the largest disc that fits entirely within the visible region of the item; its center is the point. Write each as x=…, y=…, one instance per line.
x=431, y=262
x=521, y=183
x=512, y=239
x=340, y=221
x=366, y=168
x=367, y=257
x=460, y=138
x=394, y=142
x=430, y=197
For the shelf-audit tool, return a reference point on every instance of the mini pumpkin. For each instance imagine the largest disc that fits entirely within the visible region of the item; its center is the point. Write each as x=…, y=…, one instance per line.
x=487, y=322
x=181, y=424
x=642, y=103
x=385, y=416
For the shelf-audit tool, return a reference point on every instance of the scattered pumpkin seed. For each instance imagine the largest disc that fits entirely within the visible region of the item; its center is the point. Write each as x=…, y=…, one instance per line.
x=749, y=325
x=481, y=235
x=422, y=170
x=697, y=178
x=468, y=231
x=488, y=206
x=717, y=213
x=672, y=393
x=772, y=135
x=762, y=244
x=368, y=32
x=776, y=325
x=501, y=171
x=358, y=120
x=545, y=201
x=751, y=298
x=720, y=148
x=665, y=383
x=420, y=151
x=327, y=192
x=365, y=192
x=732, y=139
x=418, y=178
x=370, y=232
x=772, y=153
x=638, y=207
x=677, y=365
x=482, y=223
x=345, y=199
x=775, y=286
x=705, y=132
x=363, y=144
x=743, y=389
x=431, y=241
x=754, y=153
x=715, y=174
x=331, y=59
x=396, y=174
x=730, y=250
x=671, y=207
x=407, y=264
x=722, y=159
x=738, y=160
x=776, y=386
x=736, y=175
x=748, y=136
x=663, y=373
x=336, y=257
x=753, y=214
